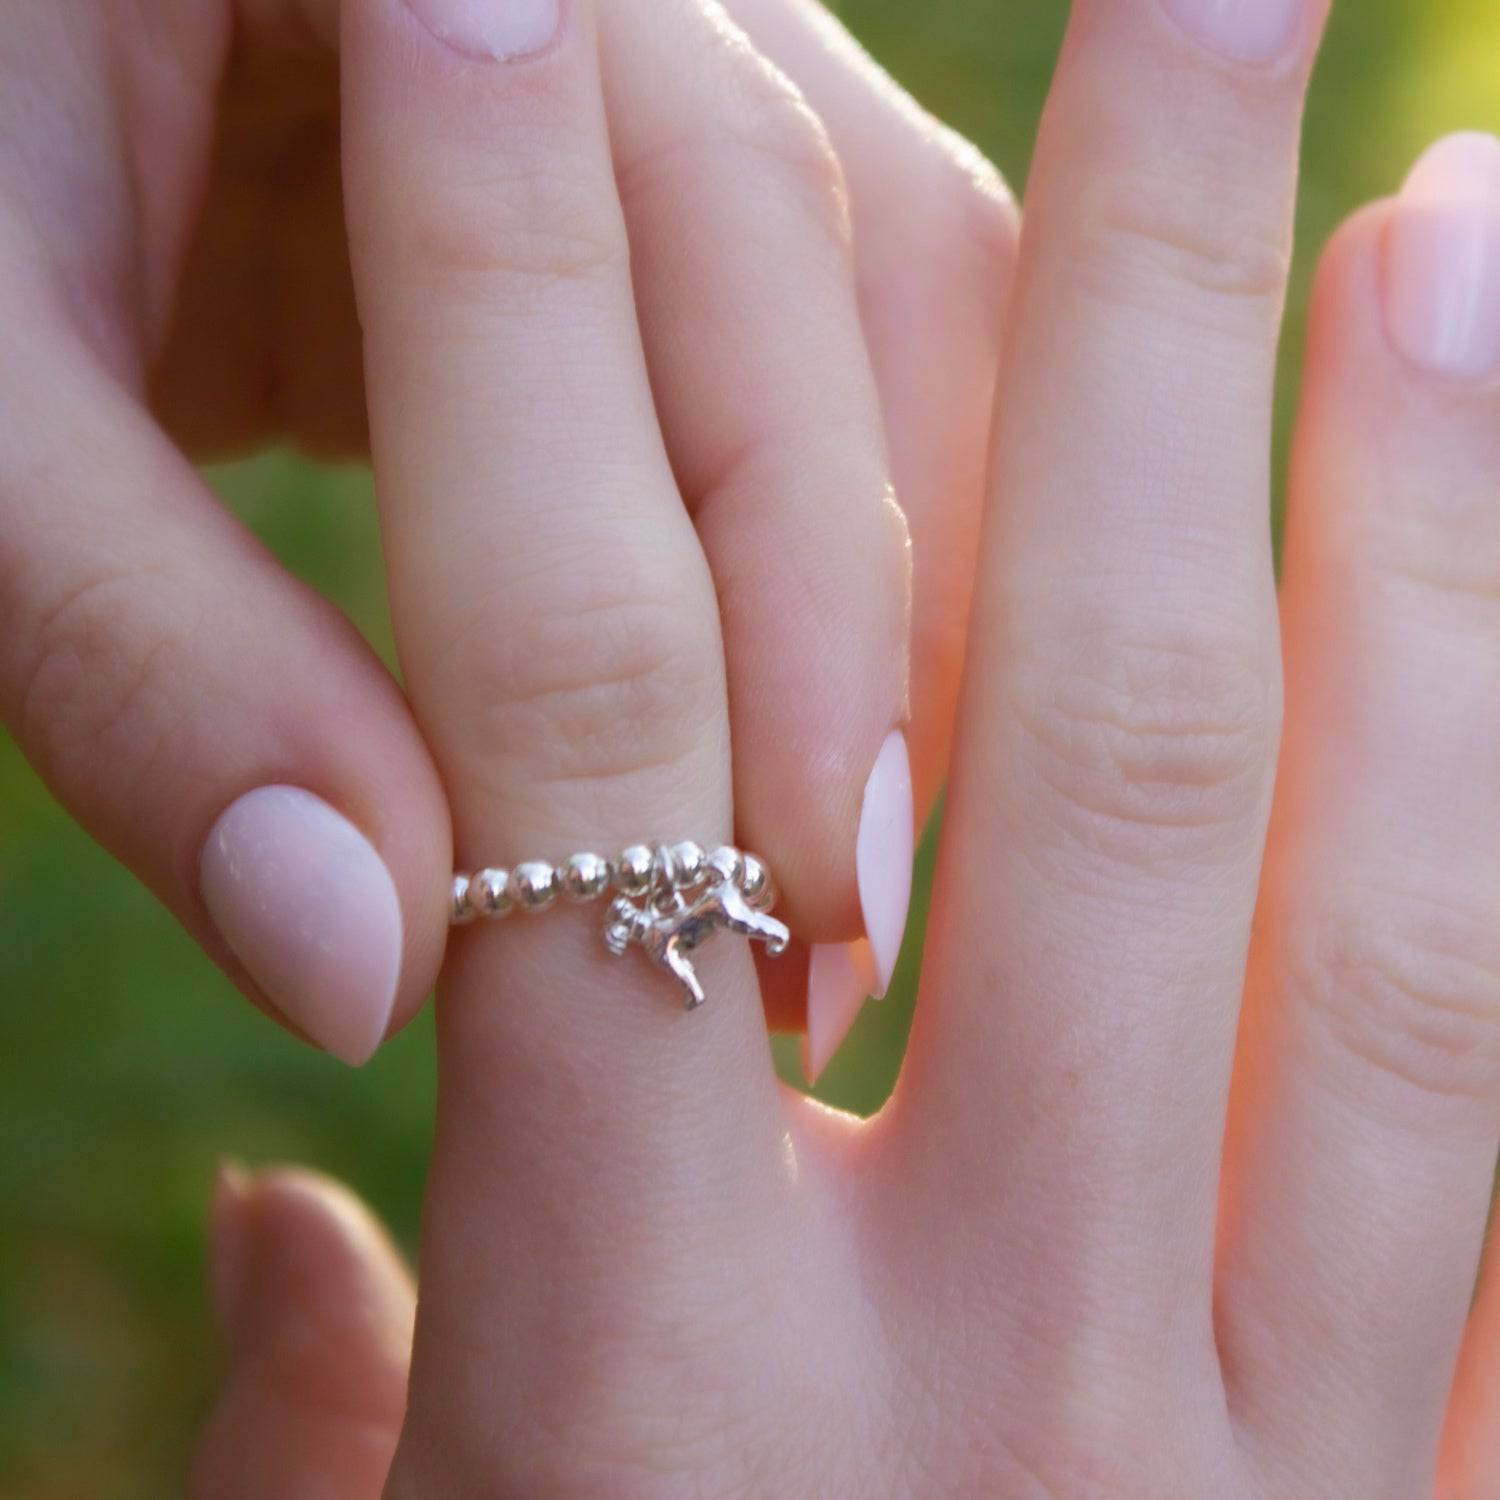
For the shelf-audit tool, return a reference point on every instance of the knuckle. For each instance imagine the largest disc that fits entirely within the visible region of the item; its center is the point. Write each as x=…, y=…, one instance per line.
x=979, y=224
x=520, y=229
x=1410, y=986
x=947, y=259
x=1148, y=748
x=761, y=134
x=95, y=683
x=1151, y=238
x=614, y=688
x=781, y=130
x=1440, y=544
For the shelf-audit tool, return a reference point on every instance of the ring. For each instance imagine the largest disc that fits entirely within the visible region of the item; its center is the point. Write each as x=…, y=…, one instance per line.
x=669, y=900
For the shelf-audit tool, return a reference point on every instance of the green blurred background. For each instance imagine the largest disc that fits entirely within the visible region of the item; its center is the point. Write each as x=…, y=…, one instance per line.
x=128, y=1067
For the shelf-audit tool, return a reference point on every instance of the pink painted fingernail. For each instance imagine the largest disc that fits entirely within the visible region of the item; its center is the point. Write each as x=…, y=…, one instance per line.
x=1442, y=259
x=841, y=975
x=1246, y=30
x=309, y=908
x=500, y=30
x=883, y=856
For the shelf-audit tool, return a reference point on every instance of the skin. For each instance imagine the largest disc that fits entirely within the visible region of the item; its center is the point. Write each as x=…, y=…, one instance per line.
x=174, y=258
x=1048, y=1268
x=1183, y=1189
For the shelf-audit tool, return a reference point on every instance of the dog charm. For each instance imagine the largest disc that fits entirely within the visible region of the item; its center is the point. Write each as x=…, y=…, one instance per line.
x=670, y=925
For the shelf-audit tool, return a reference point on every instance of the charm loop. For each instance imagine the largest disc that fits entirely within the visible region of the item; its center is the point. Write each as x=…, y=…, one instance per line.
x=669, y=900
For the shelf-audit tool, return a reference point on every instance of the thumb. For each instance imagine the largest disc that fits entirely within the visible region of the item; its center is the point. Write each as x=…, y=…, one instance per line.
x=317, y=1309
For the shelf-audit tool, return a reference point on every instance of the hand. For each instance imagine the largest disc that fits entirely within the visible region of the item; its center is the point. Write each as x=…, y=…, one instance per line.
x=174, y=271
x=1045, y=1269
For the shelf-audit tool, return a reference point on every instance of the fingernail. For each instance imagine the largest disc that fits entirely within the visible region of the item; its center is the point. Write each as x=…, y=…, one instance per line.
x=1442, y=259
x=229, y=1244
x=840, y=977
x=883, y=856
x=500, y=30
x=1245, y=30
x=309, y=908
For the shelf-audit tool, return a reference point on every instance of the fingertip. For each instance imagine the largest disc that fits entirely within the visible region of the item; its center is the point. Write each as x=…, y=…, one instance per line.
x=1346, y=342
x=1413, y=280
x=490, y=32
x=228, y=1248
x=294, y=1252
x=309, y=907
x=884, y=855
x=1404, y=318
x=318, y=1315
x=153, y=720
x=840, y=977
x=1441, y=273
x=319, y=1231
x=845, y=862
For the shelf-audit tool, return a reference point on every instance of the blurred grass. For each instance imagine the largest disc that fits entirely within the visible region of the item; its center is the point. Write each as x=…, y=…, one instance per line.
x=128, y=1067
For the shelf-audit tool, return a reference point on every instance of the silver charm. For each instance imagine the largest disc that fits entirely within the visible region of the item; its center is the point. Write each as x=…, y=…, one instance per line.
x=670, y=926
x=669, y=900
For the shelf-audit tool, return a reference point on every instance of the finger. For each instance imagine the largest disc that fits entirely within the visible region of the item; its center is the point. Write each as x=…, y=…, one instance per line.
x=1368, y=1116
x=935, y=231
x=558, y=624
x=1116, y=743
x=934, y=239
x=317, y=1310
x=772, y=419
x=263, y=345
x=1470, y=1462
x=212, y=721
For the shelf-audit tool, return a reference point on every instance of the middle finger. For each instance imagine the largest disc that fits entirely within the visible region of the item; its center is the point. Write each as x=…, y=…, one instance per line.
x=1119, y=719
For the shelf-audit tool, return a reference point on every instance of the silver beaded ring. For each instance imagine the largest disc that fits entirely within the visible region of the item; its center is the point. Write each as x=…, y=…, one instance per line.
x=668, y=901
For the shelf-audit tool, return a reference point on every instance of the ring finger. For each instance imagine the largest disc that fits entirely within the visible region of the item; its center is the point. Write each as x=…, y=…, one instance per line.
x=558, y=625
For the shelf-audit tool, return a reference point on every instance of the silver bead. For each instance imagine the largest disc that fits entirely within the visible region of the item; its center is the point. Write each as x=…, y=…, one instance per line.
x=489, y=893
x=533, y=886
x=584, y=877
x=691, y=863
x=460, y=913
x=728, y=863
x=755, y=882
x=631, y=872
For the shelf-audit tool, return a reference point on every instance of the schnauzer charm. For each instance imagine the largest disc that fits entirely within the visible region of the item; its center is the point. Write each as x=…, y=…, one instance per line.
x=670, y=927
